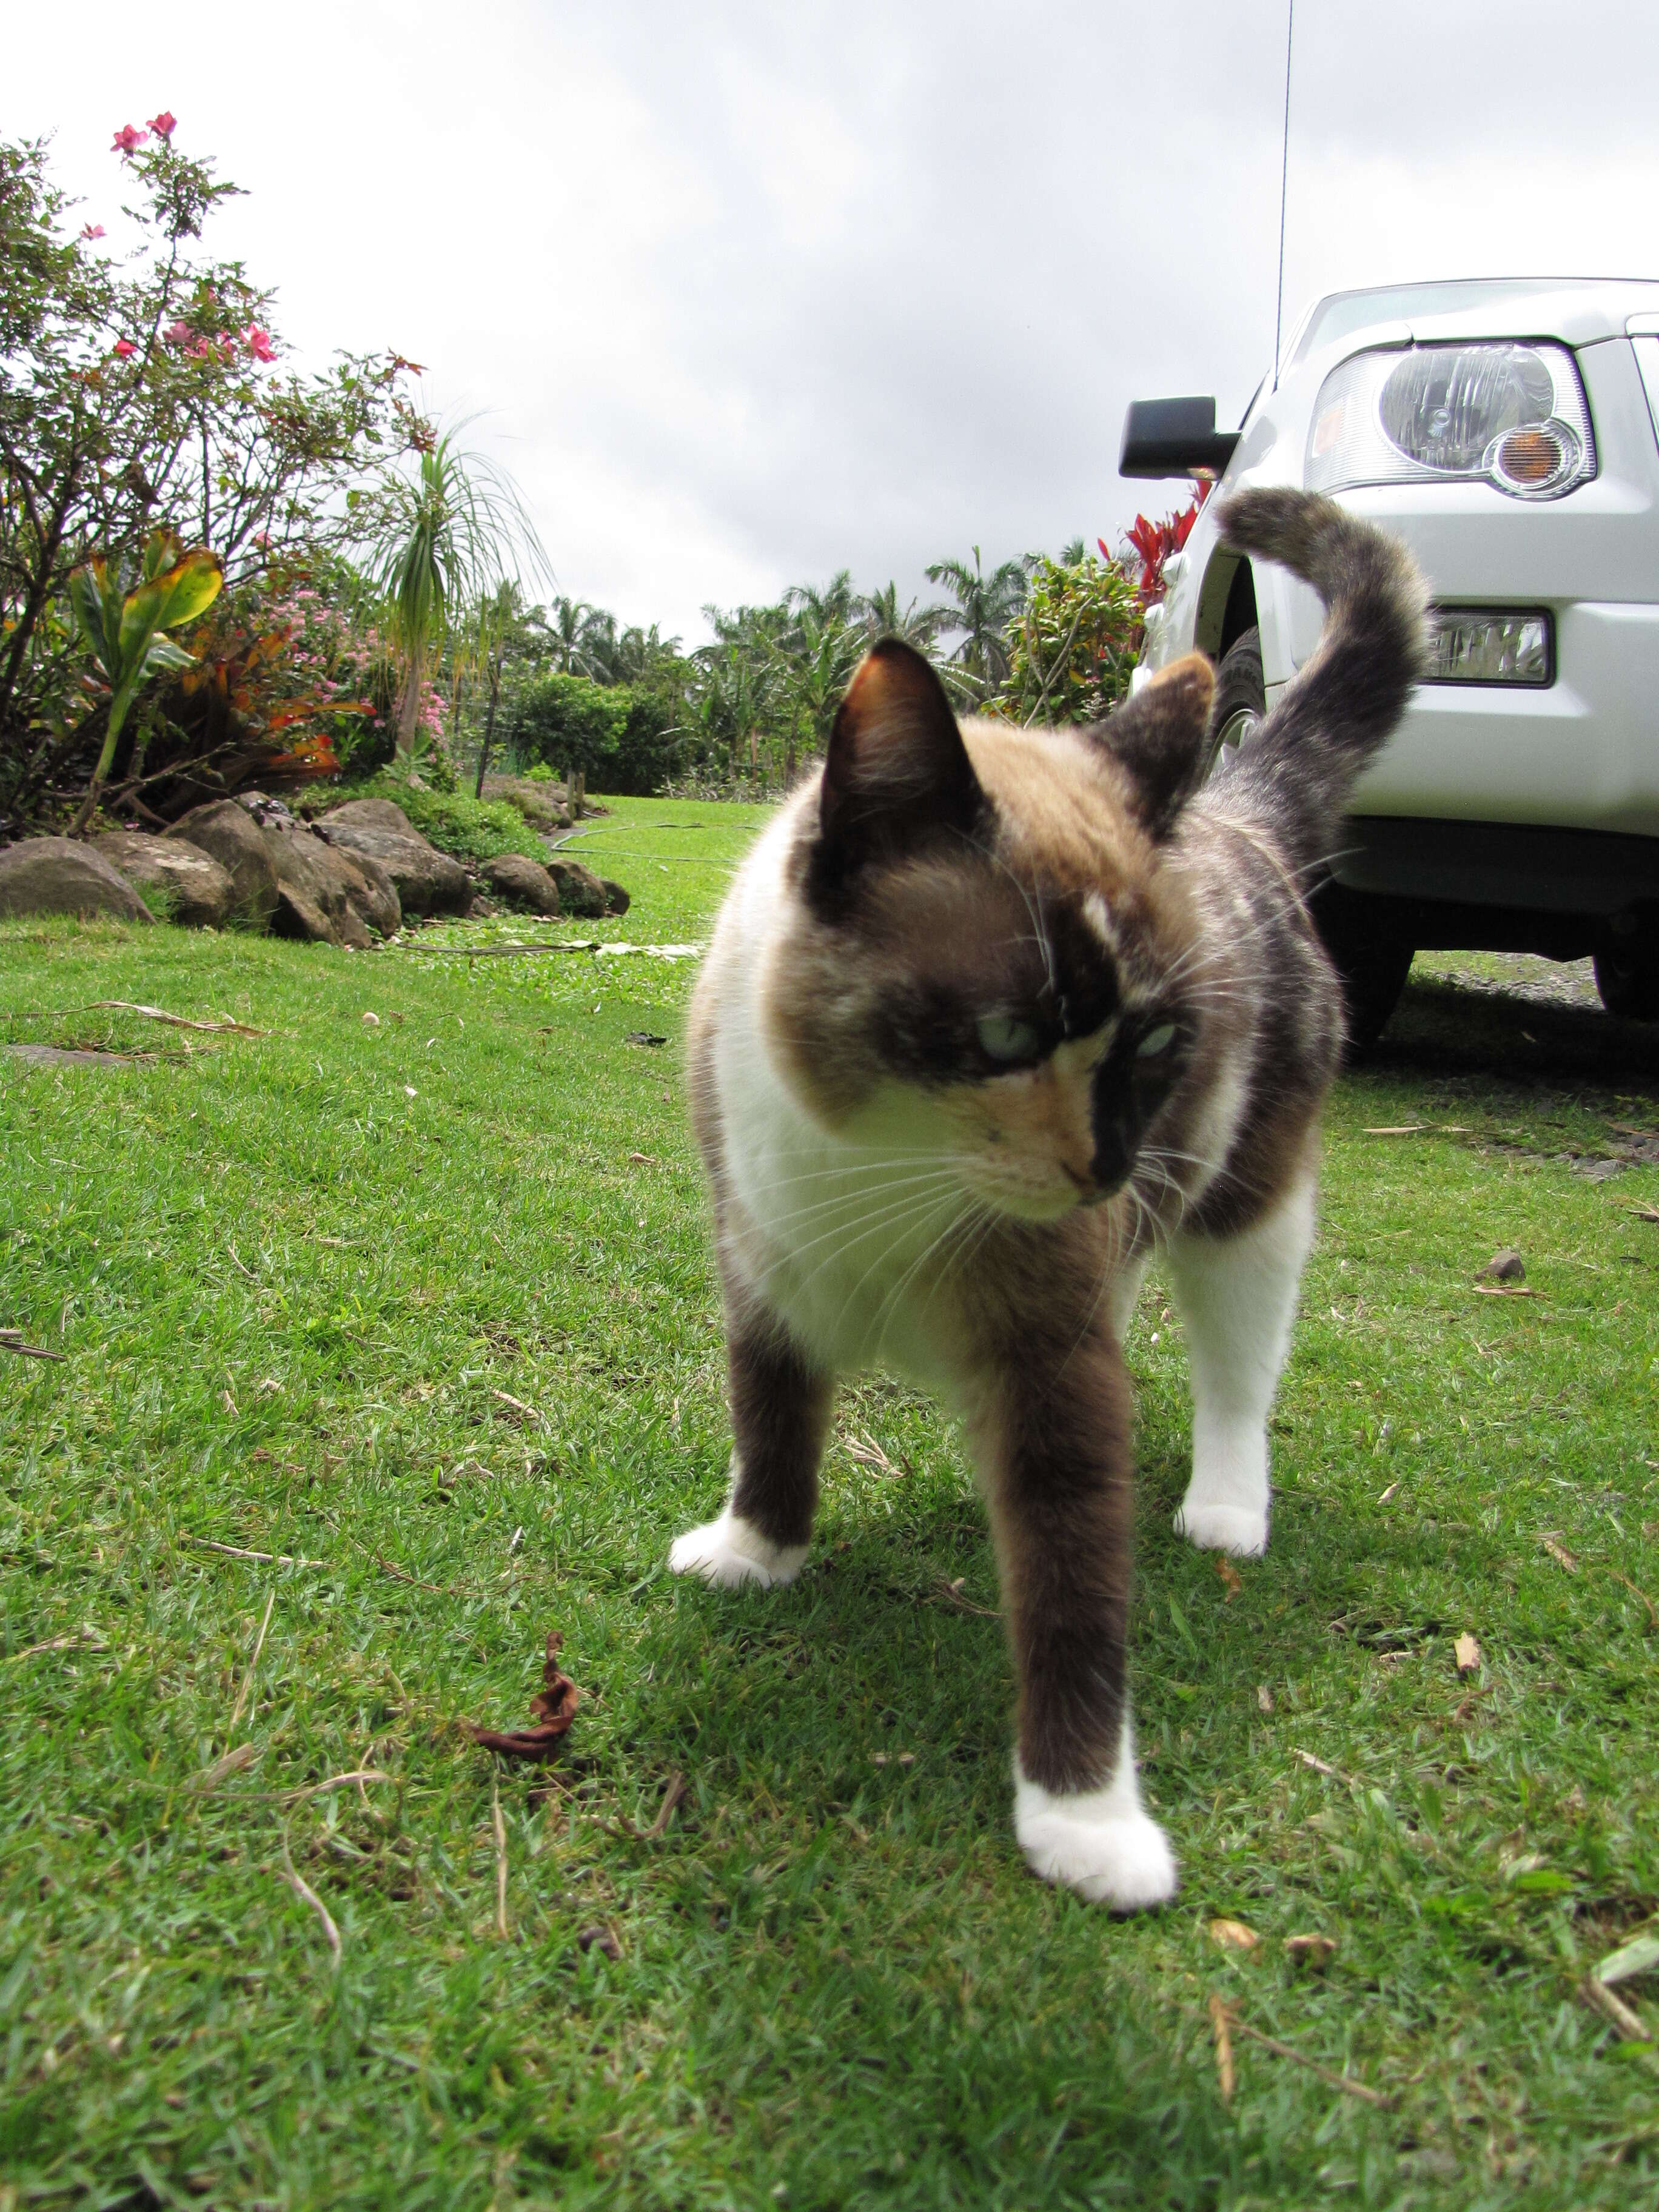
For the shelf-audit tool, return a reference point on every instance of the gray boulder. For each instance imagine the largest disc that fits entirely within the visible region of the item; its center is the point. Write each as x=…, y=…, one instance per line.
x=523, y=882
x=55, y=875
x=581, y=892
x=617, y=900
x=324, y=890
x=188, y=885
x=230, y=833
x=536, y=801
x=427, y=880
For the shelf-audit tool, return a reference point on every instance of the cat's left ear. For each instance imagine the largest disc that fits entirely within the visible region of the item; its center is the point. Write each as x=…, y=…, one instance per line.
x=897, y=769
x=1158, y=737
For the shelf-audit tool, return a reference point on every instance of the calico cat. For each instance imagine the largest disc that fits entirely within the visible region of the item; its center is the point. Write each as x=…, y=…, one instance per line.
x=989, y=1015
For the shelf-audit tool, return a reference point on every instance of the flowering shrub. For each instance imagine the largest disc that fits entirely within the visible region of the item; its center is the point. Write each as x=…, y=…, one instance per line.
x=138, y=393
x=1071, y=653
x=1154, y=542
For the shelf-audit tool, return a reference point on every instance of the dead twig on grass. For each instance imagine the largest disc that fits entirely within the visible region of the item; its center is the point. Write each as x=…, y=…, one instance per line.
x=1220, y=2028
x=500, y=1827
x=357, y=1774
x=260, y=1559
x=1328, y=2075
x=671, y=1798
x=221, y=1769
x=248, y=1679
x=1629, y=2022
x=11, y=1340
x=950, y=1592
x=225, y=1028
x=307, y=1895
x=1322, y=1766
x=89, y=1636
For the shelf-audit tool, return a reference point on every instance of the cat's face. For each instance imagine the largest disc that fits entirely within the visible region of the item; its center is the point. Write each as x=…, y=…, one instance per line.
x=986, y=964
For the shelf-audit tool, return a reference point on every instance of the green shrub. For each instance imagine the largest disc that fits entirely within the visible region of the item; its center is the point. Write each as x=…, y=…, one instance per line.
x=623, y=737
x=467, y=829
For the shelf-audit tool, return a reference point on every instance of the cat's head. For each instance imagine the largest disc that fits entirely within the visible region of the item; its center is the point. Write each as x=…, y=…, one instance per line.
x=984, y=958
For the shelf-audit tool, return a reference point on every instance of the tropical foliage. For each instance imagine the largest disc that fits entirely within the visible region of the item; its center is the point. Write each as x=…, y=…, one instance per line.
x=138, y=393
x=216, y=573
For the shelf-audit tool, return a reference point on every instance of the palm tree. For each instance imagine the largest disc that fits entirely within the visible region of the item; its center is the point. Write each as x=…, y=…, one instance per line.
x=911, y=624
x=985, y=607
x=576, y=632
x=438, y=542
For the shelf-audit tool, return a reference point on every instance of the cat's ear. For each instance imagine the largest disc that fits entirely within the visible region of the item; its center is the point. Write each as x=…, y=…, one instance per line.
x=1158, y=737
x=897, y=769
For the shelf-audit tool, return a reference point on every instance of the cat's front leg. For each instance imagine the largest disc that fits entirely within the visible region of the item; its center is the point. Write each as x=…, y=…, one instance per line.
x=780, y=1414
x=1236, y=1297
x=1054, y=1436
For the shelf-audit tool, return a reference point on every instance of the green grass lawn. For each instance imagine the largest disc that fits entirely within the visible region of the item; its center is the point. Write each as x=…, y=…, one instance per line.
x=427, y=1307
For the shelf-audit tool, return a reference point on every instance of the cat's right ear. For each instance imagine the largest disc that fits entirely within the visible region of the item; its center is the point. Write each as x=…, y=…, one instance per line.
x=1158, y=739
x=896, y=770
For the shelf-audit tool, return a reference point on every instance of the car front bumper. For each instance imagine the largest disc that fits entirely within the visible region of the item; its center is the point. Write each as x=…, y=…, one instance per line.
x=1580, y=753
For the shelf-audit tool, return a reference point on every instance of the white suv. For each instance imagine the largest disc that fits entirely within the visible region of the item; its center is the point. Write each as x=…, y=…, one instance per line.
x=1508, y=431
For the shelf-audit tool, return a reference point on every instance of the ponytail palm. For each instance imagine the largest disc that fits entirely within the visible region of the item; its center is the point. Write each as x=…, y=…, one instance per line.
x=439, y=544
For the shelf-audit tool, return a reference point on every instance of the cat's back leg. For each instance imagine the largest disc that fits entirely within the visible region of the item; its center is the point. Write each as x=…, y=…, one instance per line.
x=1235, y=1295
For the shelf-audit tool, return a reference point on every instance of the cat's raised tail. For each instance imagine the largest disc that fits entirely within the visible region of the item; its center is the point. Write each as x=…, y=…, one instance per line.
x=1295, y=774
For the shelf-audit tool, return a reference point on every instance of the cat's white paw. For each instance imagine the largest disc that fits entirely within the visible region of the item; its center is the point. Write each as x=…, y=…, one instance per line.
x=1100, y=1843
x=1215, y=1527
x=732, y=1551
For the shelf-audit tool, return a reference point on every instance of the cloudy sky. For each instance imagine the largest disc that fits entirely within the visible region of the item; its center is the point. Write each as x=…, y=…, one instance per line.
x=743, y=293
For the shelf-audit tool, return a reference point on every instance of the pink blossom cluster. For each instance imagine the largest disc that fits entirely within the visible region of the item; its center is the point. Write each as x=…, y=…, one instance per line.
x=254, y=341
x=127, y=140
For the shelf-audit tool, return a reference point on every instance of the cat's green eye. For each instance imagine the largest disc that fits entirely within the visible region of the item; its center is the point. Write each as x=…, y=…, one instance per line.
x=1004, y=1037
x=1155, y=1042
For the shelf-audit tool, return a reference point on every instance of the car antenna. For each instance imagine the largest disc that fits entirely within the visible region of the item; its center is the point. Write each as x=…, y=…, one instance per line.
x=1284, y=180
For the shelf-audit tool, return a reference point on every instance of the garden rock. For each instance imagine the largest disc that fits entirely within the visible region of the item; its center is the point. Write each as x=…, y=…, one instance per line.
x=229, y=833
x=325, y=889
x=525, y=883
x=191, y=887
x=535, y=801
x=427, y=880
x=617, y=900
x=581, y=892
x=55, y=875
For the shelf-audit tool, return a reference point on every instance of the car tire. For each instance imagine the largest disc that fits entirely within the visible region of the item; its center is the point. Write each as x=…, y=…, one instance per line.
x=1628, y=974
x=1370, y=960
x=1240, y=703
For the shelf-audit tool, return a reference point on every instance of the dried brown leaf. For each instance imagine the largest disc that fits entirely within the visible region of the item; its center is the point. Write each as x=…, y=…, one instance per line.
x=1560, y=1554
x=1220, y=2025
x=1232, y=1581
x=1234, y=1934
x=1466, y=1653
x=1313, y=1951
x=555, y=1704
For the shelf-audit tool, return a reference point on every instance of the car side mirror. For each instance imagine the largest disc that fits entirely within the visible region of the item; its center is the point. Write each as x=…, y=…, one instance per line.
x=1173, y=438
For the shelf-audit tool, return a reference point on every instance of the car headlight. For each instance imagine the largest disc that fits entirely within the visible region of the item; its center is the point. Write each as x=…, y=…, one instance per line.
x=1508, y=415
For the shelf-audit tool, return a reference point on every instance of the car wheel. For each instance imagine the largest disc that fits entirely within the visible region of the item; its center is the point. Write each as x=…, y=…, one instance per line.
x=1240, y=704
x=1369, y=959
x=1628, y=974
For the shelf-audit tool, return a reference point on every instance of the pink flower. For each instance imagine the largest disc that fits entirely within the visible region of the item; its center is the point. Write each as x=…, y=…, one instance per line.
x=124, y=349
x=257, y=339
x=91, y=230
x=165, y=124
x=126, y=139
x=180, y=332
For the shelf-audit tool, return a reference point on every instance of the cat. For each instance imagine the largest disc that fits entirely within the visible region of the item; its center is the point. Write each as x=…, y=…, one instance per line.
x=989, y=1015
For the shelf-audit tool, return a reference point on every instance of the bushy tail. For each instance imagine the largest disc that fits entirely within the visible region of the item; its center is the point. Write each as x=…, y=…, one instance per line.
x=1294, y=775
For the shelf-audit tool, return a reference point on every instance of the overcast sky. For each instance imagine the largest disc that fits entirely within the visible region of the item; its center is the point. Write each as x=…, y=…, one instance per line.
x=746, y=293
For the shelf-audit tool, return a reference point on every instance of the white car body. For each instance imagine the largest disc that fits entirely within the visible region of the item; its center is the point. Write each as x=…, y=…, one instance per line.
x=1500, y=814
